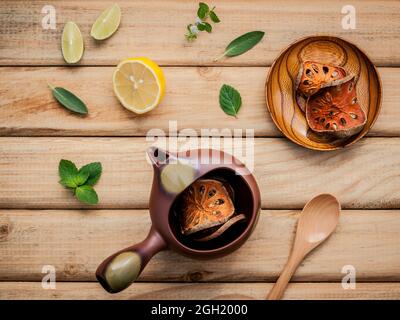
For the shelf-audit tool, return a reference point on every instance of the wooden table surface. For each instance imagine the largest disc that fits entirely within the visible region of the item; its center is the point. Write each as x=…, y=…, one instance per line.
x=42, y=224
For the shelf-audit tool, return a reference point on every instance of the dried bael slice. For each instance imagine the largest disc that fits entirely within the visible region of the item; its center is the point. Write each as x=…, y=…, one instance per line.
x=335, y=110
x=313, y=76
x=205, y=203
x=221, y=229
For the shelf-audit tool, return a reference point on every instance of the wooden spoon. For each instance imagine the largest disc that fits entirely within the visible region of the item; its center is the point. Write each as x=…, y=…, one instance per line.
x=316, y=223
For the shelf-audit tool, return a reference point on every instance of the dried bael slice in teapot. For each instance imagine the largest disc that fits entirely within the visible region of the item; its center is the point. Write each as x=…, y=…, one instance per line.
x=335, y=110
x=205, y=203
x=215, y=232
x=313, y=76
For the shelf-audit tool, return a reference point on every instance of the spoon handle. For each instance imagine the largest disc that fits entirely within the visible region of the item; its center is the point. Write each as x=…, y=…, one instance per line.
x=278, y=289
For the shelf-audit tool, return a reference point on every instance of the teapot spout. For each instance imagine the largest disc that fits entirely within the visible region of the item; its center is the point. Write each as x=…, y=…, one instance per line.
x=157, y=156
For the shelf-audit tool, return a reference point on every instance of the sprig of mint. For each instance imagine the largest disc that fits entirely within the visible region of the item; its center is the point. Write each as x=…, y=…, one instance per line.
x=201, y=24
x=80, y=181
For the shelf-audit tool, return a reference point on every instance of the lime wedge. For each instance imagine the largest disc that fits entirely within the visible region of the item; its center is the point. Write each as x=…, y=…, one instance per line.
x=107, y=23
x=72, y=43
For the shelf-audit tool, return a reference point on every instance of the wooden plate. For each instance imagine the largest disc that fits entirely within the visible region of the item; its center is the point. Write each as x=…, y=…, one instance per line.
x=281, y=97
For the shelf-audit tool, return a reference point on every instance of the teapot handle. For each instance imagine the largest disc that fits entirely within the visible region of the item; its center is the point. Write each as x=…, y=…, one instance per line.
x=121, y=269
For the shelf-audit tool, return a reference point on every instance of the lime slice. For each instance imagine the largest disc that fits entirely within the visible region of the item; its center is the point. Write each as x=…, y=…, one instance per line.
x=107, y=23
x=176, y=177
x=72, y=43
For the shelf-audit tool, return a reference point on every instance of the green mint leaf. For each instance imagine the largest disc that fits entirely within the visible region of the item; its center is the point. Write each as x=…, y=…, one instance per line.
x=207, y=27
x=87, y=194
x=214, y=17
x=230, y=100
x=76, y=181
x=242, y=44
x=67, y=168
x=93, y=170
x=69, y=100
x=67, y=171
x=69, y=174
x=203, y=10
x=81, y=178
x=68, y=182
x=201, y=26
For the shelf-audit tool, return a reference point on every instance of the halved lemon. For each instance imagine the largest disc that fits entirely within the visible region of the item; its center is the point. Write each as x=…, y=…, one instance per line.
x=139, y=84
x=72, y=43
x=107, y=23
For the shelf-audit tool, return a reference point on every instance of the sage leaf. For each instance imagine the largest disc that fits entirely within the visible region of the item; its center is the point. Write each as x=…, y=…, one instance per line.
x=93, y=170
x=230, y=100
x=69, y=100
x=87, y=194
x=242, y=44
x=203, y=10
x=214, y=17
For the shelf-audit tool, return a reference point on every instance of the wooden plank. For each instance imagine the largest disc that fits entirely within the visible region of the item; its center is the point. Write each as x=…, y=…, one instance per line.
x=198, y=291
x=150, y=29
x=76, y=241
x=363, y=176
x=191, y=100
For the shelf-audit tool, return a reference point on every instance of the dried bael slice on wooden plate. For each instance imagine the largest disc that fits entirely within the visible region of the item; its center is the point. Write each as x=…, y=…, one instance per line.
x=207, y=209
x=313, y=76
x=335, y=110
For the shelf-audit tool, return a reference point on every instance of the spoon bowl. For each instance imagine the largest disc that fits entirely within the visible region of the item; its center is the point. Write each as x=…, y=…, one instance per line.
x=317, y=221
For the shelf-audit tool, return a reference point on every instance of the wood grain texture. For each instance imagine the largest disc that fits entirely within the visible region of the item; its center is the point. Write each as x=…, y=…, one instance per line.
x=34, y=112
x=76, y=241
x=24, y=42
x=198, y=291
x=364, y=176
x=283, y=79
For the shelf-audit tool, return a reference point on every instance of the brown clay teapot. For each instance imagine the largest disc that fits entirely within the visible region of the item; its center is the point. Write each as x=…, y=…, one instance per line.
x=173, y=173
